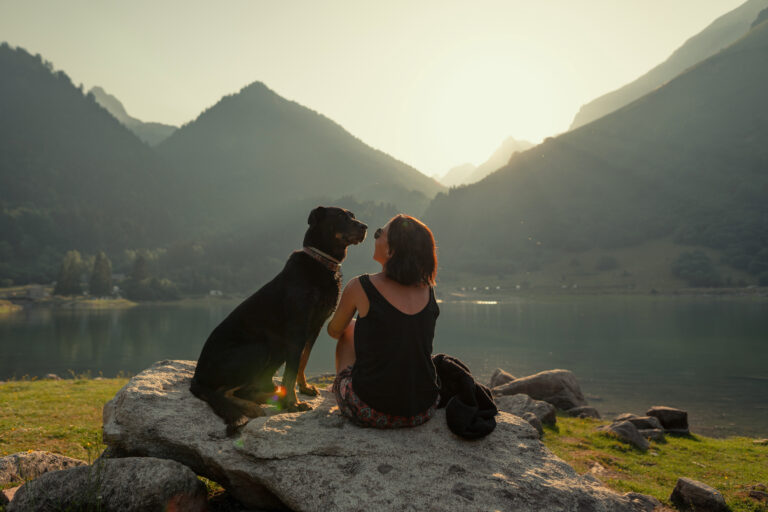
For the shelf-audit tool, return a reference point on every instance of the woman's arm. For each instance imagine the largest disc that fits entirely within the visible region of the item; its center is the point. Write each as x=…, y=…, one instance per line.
x=346, y=308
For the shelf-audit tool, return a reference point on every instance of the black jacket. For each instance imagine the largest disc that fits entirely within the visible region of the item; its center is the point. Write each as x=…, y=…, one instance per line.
x=469, y=407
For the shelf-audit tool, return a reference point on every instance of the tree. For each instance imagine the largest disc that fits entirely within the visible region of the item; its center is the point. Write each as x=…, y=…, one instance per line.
x=68, y=281
x=140, y=269
x=101, y=276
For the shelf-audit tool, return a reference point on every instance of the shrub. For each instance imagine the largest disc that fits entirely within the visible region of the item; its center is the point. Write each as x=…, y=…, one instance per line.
x=696, y=269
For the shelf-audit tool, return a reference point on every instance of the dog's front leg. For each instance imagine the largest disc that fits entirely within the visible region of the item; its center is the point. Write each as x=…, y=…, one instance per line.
x=291, y=401
x=305, y=388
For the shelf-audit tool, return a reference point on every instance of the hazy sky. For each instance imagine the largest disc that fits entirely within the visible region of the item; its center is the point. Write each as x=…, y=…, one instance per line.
x=433, y=83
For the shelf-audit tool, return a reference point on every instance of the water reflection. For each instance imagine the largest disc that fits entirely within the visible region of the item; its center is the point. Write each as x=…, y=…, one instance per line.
x=705, y=355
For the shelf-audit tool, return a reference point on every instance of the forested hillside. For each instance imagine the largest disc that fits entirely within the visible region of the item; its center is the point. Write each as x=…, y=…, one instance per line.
x=71, y=176
x=255, y=152
x=688, y=161
x=219, y=205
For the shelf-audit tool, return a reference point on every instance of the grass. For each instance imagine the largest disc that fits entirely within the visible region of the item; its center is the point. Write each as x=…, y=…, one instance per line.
x=55, y=416
x=729, y=465
x=65, y=417
x=8, y=307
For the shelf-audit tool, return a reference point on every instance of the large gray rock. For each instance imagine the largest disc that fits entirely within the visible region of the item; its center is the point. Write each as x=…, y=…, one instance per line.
x=521, y=404
x=499, y=377
x=317, y=460
x=627, y=432
x=23, y=466
x=136, y=484
x=697, y=497
x=558, y=387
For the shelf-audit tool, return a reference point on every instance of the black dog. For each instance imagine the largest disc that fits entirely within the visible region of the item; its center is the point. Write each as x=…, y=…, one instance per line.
x=277, y=324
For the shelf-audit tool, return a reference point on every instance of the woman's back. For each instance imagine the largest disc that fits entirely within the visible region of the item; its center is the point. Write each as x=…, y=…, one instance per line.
x=393, y=370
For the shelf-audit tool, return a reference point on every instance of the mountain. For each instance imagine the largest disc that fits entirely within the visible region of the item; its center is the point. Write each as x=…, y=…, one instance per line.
x=151, y=133
x=71, y=176
x=458, y=175
x=467, y=173
x=499, y=158
x=722, y=32
x=687, y=163
x=255, y=154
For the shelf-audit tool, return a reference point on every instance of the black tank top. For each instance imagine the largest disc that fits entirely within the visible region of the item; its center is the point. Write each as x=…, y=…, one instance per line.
x=393, y=370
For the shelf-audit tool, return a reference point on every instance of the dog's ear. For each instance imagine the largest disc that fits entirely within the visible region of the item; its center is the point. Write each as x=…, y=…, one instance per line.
x=315, y=215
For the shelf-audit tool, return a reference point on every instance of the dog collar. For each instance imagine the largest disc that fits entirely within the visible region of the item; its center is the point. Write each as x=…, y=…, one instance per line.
x=327, y=260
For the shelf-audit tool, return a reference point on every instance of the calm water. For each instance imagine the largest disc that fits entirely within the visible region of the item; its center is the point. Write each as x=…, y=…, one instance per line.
x=709, y=356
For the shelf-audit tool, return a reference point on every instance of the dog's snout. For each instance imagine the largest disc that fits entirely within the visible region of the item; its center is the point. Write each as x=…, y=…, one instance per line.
x=363, y=227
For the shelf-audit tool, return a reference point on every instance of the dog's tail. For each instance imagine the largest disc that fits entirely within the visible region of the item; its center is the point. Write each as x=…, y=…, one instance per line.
x=221, y=405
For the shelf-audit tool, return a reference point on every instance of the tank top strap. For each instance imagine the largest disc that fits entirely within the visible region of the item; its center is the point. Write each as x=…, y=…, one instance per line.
x=370, y=290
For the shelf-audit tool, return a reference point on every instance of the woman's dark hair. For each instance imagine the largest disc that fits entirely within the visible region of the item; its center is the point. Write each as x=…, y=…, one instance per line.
x=412, y=247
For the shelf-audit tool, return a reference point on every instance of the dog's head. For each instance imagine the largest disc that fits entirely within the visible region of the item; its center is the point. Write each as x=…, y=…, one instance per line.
x=332, y=229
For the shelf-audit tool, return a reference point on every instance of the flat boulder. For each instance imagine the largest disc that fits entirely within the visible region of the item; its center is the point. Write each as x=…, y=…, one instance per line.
x=626, y=432
x=674, y=421
x=499, y=377
x=23, y=466
x=135, y=484
x=521, y=404
x=558, y=387
x=697, y=497
x=318, y=460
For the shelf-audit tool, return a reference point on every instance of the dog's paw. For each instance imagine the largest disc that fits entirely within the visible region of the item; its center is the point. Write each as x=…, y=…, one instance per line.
x=234, y=427
x=299, y=407
x=309, y=390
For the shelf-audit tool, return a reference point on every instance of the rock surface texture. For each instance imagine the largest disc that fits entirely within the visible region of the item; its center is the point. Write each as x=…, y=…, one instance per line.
x=627, y=432
x=697, y=497
x=317, y=460
x=499, y=377
x=558, y=387
x=521, y=404
x=30, y=465
x=135, y=484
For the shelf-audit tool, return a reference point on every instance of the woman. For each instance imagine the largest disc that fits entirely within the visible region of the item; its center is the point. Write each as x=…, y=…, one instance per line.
x=384, y=372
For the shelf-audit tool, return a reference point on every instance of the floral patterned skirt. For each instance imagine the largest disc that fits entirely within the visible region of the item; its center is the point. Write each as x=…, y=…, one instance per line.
x=364, y=415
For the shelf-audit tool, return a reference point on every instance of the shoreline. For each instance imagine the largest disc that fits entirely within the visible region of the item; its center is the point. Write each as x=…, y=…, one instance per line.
x=16, y=299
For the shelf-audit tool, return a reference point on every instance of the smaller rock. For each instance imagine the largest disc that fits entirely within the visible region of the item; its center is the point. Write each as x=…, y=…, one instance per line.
x=697, y=496
x=674, y=421
x=626, y=432
x=520, y=404
x=51, y=376
x=643, y=501
x=759, y=495
x=30, y=465
x=500, y=377
x=641, y=422
x=534, y=420
x=654, y=434
x=760, y=442
x=585, y=411
x=131, y=484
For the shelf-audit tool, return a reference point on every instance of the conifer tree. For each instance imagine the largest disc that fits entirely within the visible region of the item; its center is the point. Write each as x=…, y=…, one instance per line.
x=101, y=276
x=68, y=281
x=140, y=269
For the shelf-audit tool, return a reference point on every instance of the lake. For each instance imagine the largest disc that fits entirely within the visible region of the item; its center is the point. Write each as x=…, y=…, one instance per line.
x=706, y=355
